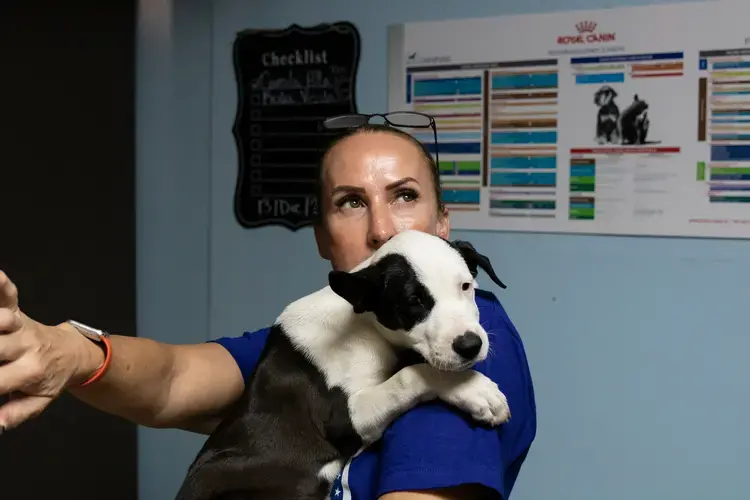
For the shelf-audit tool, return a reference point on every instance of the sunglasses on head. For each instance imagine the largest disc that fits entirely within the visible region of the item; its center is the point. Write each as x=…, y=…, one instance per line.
x=400, y=119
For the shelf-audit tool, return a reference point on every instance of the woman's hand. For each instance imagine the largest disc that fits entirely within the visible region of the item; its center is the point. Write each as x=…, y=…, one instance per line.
x=37, y=362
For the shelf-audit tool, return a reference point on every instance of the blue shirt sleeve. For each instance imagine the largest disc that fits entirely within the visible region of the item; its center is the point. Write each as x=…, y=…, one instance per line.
x=435, y=445
x=246, y=349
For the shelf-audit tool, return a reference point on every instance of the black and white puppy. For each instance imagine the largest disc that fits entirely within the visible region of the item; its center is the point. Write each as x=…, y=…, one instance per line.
x=339, y=367
x=608, y=116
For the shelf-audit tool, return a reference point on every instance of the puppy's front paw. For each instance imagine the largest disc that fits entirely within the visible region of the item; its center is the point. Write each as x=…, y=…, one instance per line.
x=479, y=396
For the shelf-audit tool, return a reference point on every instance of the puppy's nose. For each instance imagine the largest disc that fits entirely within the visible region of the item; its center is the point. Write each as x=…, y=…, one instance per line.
x=467, y=345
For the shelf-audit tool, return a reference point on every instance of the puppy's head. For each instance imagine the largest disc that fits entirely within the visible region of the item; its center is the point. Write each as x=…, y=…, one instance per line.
x=604, y=95
x=637, y=108
x=640, y=104
x=419, y=290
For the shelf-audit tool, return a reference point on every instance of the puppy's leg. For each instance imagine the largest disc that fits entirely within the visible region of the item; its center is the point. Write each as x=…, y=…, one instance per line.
x=599, y=134
x=618, y=131
x=373, y=409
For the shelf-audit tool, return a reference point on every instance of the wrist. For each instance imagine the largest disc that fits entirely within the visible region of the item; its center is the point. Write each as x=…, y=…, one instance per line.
x=86, y=356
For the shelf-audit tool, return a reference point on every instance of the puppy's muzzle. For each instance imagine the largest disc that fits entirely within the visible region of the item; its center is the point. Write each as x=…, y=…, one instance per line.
x=467, y=345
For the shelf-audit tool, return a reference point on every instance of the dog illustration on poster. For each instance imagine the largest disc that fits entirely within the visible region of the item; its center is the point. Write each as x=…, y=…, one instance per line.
x=613, y=126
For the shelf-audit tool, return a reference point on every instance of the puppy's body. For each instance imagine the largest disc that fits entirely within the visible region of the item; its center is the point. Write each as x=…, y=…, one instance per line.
x=634, y=122
x=287, y=428
x=330, y=379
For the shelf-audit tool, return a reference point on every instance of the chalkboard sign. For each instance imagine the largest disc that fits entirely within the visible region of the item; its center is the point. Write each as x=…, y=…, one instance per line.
x=289, y=81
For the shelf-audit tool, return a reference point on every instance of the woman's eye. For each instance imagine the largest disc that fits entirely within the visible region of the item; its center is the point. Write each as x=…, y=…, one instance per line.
x=465, y=286
x=348, y=202
x=408, y=195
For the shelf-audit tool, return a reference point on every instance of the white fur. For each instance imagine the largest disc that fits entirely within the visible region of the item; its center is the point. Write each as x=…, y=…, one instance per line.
x=330, y=470
x=374, y=408
x=355, y=352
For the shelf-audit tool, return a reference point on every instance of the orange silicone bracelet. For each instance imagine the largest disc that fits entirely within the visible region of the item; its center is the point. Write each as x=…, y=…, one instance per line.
x=105, y=366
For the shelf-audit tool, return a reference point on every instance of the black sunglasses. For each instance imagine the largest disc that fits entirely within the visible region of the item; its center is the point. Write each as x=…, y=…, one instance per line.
x=405, y=119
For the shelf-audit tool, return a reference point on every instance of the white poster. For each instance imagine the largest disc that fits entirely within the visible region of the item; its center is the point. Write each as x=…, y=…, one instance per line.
x=631, y=121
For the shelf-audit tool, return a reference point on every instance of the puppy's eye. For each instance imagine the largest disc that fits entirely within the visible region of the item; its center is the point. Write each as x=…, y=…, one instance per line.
x=465, y=286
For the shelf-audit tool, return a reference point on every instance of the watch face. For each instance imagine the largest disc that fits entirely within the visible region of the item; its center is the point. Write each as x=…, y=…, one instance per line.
x=88, y=331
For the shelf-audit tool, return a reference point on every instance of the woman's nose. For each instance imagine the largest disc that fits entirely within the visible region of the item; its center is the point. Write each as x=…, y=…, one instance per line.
x=381, y=228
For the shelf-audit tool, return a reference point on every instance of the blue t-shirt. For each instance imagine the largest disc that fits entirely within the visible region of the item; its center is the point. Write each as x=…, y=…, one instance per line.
x=435, y=445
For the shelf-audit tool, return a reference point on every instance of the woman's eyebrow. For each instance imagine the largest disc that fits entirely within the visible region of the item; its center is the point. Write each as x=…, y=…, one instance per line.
x=345, y=188
x=400, y=182
x=348, y=189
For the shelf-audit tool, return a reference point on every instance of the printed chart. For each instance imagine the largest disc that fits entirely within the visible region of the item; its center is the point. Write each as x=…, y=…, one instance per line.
x=724, y=96
x=623, y=161
x=580, y=122
x=523, y=139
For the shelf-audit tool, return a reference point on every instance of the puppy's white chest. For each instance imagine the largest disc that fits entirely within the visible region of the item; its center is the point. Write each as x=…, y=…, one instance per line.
x=357, y=362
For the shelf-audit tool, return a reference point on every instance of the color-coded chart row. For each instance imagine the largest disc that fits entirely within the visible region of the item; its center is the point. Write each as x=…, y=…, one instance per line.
x=524, y=179
x=602, y=70
x=460, y=167
x=469, y=195
x=726, y=183
x=730, y=174
x=524, y=162
x=730, y=152
x=582, y=203
x=525, y=205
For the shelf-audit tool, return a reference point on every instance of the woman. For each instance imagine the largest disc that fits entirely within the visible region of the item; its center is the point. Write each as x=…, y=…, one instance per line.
x=375, y=182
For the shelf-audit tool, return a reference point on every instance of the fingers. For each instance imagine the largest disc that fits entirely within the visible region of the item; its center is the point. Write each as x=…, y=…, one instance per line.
x=17, y=375
x=20, y=409
x=8, y=293
x=9, y=321
x=11, y=348
x=10, y=345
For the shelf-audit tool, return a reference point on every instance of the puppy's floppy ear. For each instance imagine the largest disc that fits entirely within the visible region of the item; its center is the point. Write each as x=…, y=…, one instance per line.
x=475, y=259
x=360, y=288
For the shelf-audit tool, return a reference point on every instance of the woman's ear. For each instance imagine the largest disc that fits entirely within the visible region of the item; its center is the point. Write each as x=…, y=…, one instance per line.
x=444, y=224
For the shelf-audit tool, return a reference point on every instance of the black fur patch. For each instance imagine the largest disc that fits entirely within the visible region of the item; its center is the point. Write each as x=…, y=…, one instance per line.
x=407, y=357
x=474, y=260
x=390, y=289
x=286, y=426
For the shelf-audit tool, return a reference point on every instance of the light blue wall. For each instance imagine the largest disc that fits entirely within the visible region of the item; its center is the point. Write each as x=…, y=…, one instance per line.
x=637, y=346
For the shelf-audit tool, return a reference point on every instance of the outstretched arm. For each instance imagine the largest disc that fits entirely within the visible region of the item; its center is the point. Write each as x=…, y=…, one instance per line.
x=149, y=383
x=163, y=385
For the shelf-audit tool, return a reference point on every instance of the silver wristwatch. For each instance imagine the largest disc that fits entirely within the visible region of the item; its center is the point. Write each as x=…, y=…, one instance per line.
x=88, y=331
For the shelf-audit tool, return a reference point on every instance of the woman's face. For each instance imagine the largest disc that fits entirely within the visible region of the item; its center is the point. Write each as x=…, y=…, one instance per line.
x=375, y=185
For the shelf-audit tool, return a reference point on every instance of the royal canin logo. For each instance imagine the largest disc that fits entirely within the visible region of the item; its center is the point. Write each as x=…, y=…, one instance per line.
x=586, y=26
x=586, y=34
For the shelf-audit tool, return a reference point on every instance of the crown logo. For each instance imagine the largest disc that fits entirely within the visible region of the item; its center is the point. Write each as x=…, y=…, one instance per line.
x=586, y=26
